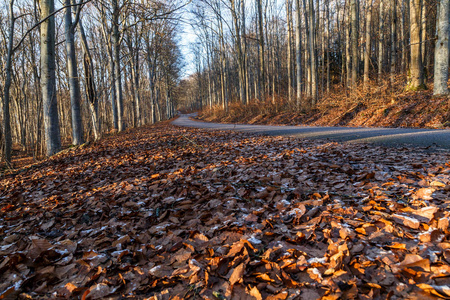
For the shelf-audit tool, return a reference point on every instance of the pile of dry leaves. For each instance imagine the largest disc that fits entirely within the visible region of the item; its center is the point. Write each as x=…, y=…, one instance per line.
x=171, y=213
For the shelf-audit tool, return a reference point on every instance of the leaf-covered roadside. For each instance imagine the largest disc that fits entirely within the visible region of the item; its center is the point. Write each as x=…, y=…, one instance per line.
x=174, y=213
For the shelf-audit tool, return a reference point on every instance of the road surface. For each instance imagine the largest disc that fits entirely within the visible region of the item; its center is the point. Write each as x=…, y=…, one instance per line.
x=433, y=138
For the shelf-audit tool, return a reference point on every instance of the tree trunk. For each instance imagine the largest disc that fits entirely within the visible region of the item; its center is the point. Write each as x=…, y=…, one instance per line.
x=393, y=40
x=367, y=49
x=308, y=49
x=441, y=54
x=416, y=81
x=298, y=48
x=7, y=87
x=354, y=39
x=380, y=42
x=117, y=71
x=289, y=50
x=238, y=42
x=72, y=72
x=48, y=79
x=403, y=36
x=328, y=46
x=424, y=16
x=262, y=76
x=91, y=92
x=348, y=61
x=312, y=53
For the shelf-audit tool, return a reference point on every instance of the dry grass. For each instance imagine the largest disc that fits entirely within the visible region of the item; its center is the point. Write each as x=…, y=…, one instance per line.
x=374, y=106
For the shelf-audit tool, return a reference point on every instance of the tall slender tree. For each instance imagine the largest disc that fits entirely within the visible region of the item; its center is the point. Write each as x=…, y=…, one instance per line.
x=298, y=48
x=7, y=87
x=354, y=41
x=48, y=78
x=72, y=72
x=368, y=46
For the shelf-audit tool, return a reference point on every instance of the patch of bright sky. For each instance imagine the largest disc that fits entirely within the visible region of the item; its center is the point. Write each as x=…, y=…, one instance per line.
x=189, y=37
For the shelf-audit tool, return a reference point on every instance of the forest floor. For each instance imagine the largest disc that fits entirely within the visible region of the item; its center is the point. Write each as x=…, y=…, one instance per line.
x=165, y=212
x=374, y=107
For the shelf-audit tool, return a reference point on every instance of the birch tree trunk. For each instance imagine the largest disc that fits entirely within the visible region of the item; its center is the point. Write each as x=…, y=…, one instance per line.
x=441, y=55
x=48, y=79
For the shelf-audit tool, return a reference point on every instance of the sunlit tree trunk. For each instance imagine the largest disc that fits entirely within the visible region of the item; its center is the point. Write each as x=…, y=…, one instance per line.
x=367, y=49
x=423, y=17
x=354, y=40
x=416, y=81
x=441, y=55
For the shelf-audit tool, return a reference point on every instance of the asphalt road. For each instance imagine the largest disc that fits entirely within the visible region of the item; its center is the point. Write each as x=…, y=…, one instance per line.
x=433, y=138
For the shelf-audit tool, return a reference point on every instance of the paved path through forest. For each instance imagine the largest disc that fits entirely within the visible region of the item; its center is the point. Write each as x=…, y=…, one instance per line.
x=434, y=138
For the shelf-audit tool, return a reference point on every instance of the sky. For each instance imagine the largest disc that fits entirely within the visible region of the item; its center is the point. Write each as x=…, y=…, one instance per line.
x=188, y=36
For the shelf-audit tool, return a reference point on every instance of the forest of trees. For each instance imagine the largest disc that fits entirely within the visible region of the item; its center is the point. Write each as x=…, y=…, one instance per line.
x=73, y=70
x=300, y=50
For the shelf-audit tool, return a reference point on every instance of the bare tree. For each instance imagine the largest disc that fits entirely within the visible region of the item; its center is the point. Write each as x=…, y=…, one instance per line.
x=72, y=72
x=354, y=41
x=7, y=87
x=48, y=78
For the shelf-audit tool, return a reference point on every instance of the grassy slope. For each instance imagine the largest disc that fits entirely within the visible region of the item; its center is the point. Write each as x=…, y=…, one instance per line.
x=374, y=107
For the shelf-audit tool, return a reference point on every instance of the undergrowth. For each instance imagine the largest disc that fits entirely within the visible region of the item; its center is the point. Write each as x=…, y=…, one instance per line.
x=378, y=105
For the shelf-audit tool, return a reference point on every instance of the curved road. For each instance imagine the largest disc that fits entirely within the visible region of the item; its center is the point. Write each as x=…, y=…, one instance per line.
x=434, y=138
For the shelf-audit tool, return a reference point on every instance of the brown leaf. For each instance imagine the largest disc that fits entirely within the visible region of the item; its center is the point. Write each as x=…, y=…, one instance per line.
x=406, y=221
x=237, y=274
x=440, y=291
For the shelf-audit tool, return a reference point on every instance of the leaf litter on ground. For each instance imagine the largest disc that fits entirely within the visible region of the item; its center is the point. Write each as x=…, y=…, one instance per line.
x=173, y=213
